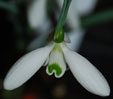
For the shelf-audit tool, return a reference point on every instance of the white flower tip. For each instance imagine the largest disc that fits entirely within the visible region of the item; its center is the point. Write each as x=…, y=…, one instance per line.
x=100, y=87
x=105, y=92
x=102, y=91
x=7, y=85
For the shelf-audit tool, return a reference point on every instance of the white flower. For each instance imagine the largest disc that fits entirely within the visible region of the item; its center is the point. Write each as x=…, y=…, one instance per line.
x=56, y=55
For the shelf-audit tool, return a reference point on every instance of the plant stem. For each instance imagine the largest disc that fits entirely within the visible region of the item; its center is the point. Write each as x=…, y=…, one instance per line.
x=58, y=31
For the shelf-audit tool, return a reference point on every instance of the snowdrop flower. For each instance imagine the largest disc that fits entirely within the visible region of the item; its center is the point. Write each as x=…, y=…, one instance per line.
x=56, y=55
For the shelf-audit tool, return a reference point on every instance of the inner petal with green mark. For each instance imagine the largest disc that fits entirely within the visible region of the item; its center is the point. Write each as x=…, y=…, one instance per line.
x=55, y=68
x=56, y=62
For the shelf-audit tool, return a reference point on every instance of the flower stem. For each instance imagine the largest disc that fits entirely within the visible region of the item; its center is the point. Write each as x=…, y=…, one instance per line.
x=59, y=33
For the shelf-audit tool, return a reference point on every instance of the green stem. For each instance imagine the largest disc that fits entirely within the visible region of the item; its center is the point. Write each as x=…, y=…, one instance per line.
x=63, y=15
x=59, y=33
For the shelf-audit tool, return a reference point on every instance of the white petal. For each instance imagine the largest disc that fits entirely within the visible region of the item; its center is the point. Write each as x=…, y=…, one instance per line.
x=84, y=7
x=56, y=62
x=26, y=67
x=86, y=74
x=37, y=13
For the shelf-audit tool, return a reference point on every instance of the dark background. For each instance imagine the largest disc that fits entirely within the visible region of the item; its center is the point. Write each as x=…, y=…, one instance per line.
x=97, y=47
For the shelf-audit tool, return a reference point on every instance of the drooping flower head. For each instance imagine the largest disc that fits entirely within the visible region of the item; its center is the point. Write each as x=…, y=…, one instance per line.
x=56, y=55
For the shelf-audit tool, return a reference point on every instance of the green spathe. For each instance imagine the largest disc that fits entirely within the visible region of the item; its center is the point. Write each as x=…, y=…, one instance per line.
x=55, y=67
x=59, y=36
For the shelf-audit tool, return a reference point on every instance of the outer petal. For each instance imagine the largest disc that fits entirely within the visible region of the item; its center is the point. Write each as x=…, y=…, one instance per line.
x=37, y=13
x=26, y=67
x=86, y=74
